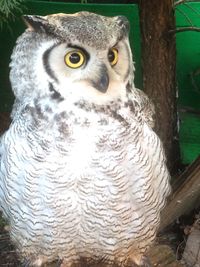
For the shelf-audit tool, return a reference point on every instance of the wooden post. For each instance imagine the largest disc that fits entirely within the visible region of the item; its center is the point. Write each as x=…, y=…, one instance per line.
x=159, y=70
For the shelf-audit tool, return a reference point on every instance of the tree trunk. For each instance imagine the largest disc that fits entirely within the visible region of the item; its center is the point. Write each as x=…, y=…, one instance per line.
x=159, y=71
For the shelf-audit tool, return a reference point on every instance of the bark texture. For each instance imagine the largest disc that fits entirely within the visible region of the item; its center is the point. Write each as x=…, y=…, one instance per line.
x=159, y=71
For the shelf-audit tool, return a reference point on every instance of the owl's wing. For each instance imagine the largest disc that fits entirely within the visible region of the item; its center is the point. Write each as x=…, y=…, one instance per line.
x=146, y=106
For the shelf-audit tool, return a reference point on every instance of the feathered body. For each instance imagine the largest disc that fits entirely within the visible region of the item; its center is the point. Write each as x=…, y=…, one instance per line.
x=82, y=173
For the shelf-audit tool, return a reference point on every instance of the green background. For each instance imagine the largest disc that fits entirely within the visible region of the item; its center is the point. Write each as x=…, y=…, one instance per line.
x=188, y=60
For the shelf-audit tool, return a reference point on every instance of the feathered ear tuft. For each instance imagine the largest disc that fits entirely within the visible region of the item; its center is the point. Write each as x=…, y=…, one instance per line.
x=37, y=23
x=123, y=22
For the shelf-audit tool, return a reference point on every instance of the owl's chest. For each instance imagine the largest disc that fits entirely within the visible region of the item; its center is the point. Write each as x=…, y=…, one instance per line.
x=81, y=141
x=82, y=175
x=89, y=149
x=64, y=153
x=85, y=158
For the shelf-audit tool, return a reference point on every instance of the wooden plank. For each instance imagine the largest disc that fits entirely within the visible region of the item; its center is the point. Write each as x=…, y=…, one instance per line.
x=191, y=255
x=185, y=196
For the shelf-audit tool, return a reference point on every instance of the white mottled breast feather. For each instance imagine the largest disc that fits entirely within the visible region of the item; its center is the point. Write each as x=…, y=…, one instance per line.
x=94, y=192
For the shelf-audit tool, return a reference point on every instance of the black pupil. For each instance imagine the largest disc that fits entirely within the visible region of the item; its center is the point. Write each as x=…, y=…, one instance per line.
x=74, y=58
x=111, y=56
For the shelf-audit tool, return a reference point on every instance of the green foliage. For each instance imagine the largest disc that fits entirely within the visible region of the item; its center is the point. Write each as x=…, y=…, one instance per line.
x=9, y=9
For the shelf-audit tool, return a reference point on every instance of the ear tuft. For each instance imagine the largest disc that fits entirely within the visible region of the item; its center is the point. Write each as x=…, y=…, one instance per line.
x=123, y=22
x=36, y=23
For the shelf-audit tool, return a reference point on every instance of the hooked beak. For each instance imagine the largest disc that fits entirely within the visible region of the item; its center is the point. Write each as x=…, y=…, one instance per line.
x=101, y=84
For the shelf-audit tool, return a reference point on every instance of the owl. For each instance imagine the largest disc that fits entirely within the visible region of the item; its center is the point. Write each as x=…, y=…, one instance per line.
x=83, y=175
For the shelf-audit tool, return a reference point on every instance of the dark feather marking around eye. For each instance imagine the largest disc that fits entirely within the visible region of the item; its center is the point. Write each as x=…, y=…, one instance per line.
x=55, y=95
x=46, y=64
x=130, y=62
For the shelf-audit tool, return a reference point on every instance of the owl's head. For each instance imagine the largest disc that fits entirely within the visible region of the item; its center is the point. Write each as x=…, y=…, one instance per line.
x=73, y=56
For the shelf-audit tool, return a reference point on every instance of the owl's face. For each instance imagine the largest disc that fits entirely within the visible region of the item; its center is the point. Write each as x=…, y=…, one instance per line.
x=80, y=56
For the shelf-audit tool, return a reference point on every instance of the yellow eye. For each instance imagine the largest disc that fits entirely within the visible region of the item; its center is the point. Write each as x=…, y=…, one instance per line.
x=113, y=56
x=74, y=59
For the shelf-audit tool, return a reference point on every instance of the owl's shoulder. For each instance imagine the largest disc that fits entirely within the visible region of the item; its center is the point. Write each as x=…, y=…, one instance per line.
x=143, y=105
